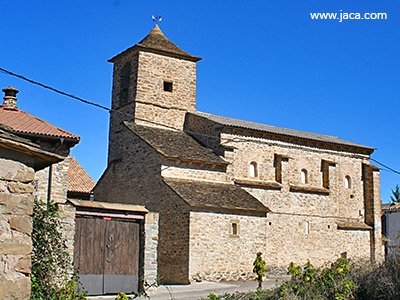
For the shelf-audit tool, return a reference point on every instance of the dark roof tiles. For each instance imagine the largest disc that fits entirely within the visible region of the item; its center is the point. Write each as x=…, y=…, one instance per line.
x=278, y=130
x=175, y=144
x=204, y=194
x=157, y=41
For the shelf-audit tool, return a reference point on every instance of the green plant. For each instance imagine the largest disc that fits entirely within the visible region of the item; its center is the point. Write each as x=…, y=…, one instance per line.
x=220, y=297
x=396, y=194
x=259, y=269
x=334, y=282
x=50, y=275
x=122, y=296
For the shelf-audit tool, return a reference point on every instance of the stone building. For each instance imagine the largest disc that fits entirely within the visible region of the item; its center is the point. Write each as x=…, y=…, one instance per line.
x=27, y=146
x=224, y=189
x=391, y=228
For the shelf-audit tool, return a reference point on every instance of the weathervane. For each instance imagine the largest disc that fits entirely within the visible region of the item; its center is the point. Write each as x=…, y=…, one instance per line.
x=156, y=19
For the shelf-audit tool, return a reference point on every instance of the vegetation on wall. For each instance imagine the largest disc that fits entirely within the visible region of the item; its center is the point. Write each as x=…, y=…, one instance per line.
x=50, y=276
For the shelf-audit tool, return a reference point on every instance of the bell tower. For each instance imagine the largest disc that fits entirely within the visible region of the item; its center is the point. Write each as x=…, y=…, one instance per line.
x=154, y=82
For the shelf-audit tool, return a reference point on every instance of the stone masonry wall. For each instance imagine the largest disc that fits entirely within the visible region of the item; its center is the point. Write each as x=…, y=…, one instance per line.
x=183, y=171
x=154, y=69
x=150, y=249
x=16, y=207
x=59, y=189
x=59, y=185
x=173, y=248
x=146, y=96
x=217, y=254
x=134, y=178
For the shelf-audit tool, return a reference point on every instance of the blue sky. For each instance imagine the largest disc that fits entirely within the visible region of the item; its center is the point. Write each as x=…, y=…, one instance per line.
x=263, y=61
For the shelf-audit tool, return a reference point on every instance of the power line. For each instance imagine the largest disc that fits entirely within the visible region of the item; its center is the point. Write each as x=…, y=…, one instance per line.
x=53, y=89
x=140, y=119
x=388, y=168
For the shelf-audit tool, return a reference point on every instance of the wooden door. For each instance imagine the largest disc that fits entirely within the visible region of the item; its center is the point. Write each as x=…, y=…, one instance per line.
x=107, y=254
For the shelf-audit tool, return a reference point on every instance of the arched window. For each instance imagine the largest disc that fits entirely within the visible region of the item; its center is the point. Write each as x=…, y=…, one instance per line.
x=347, y=182
x=124, y=84
x=253, y=172
x=303, y=176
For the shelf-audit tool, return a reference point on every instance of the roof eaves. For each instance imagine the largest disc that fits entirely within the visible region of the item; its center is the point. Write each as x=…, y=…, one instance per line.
x=139, y=47
x=280, y=131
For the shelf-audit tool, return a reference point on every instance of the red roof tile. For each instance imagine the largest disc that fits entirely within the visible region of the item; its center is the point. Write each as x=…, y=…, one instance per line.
x=22, y=122
x=78, y=180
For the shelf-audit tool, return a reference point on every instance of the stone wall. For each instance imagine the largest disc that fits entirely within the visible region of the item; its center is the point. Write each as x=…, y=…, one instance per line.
x=216, y=253
x=147, y=99
x=150, y=249
x=134, y=176
x=59, y=182
x=16, y=207
x=173, y=248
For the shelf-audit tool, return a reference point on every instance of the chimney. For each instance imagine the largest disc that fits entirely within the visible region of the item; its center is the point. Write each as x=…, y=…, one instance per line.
x=10, y=98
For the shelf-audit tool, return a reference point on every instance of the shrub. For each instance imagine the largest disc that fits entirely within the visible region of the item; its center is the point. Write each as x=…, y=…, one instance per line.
x=379, y=281
x=259, y=269
x=50, y=278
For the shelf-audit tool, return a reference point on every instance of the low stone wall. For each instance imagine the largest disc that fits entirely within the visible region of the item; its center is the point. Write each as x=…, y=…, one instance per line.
x=150, y=250
x=16, y=207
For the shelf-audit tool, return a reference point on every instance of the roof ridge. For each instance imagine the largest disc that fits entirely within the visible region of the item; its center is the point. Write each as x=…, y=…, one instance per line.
x=156, y=41
x=294, y=130
x=231, y=122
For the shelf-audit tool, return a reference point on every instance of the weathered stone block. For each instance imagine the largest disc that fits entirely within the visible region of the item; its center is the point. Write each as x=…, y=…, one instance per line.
x=21, y=223
x=20, y=188
x=16, y=204
x=24, y=265
x=15, y=289
x=15, y=171
x=16, y=246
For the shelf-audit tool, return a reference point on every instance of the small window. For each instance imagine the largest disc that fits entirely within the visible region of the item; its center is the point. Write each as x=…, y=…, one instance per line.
x=307, y=227
x=253, y=169
x=167, y=86
x=234, y=229
x=347, y=182
x=303, y=176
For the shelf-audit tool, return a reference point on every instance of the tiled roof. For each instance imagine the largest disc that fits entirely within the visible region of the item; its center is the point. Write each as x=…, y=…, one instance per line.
x=352, y=225
x=78, y=180
x=278, y=130
x=204, y=194
x=175, y=144
x=157, y=41
x=41, y=158
x=22, y=122
x=391, y=206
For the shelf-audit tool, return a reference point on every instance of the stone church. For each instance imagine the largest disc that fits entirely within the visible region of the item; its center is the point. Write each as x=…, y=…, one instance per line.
x=219, y=190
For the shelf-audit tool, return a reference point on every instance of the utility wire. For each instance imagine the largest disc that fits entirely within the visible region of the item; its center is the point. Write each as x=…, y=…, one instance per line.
x=388, y=168
x=140, y=119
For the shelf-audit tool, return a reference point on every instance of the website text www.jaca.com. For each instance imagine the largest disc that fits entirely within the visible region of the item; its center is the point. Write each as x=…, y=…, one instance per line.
x=348, y=16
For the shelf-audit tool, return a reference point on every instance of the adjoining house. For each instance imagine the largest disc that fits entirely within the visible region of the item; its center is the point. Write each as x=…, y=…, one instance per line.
x=219, y=190
x=28, y=146
x=391, y=228
x=80, y=184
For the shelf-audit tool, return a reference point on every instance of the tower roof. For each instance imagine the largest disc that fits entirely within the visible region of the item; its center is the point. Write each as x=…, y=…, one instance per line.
x=157, y=42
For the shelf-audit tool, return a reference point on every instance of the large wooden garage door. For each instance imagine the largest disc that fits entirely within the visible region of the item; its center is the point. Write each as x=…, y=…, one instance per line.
x=107, y=254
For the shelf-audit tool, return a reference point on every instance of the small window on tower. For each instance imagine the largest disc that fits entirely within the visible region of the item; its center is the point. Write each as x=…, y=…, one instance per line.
x=167, y=86
x=303, y=176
